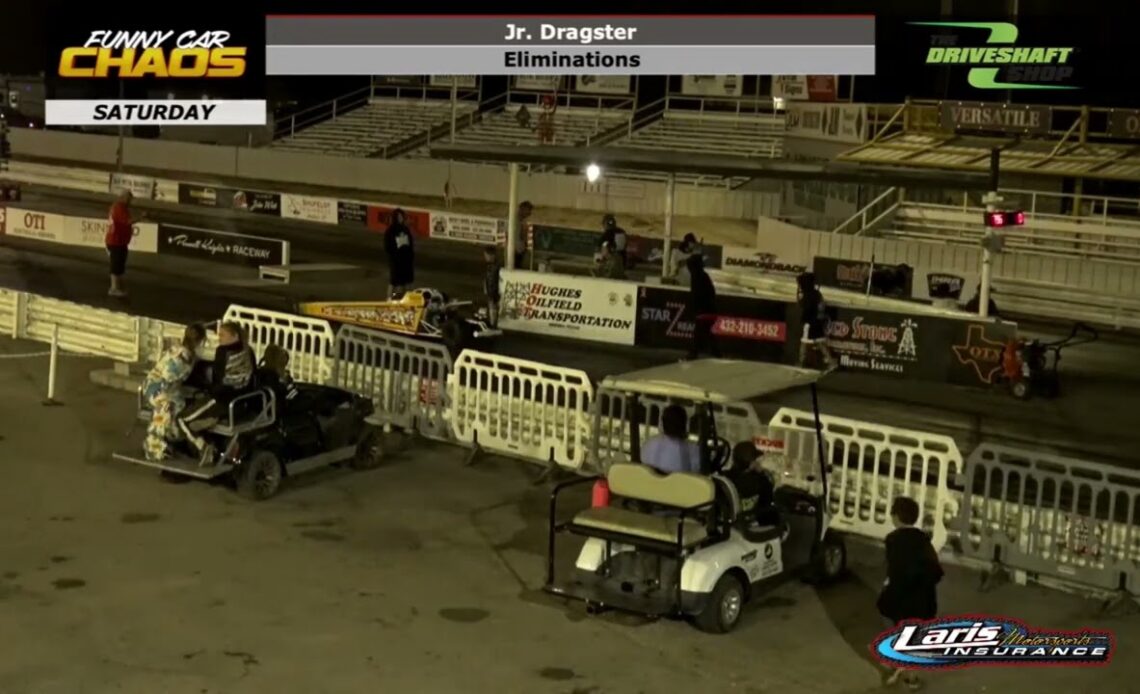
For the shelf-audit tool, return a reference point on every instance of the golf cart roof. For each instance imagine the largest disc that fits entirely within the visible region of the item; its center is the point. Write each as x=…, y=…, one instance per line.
x=713, y=380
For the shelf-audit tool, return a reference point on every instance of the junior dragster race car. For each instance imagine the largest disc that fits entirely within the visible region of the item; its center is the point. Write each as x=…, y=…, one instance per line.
x=425, y=313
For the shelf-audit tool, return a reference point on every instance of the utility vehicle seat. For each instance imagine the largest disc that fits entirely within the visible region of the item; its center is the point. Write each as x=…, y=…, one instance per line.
x=679, y=490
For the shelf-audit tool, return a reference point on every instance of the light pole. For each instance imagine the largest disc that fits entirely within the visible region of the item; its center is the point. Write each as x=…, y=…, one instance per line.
x=991, y=201
x=512, y=216
x=666, y=247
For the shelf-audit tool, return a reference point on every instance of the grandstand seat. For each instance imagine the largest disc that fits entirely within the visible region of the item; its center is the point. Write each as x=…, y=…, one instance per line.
x=369, y=129
x=572, y=126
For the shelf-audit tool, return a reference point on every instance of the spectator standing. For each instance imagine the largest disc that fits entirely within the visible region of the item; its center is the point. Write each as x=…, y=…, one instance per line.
x=610, y=264
x=491, y=284
x=816, y=318
x=521, y=232
x=120, y=231
x=678, y=270
x=910, y=590
x=702, y=306
x=612, y=233
x=400, y=249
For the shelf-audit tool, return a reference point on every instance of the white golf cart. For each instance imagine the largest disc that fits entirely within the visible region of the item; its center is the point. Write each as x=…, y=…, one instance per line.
x=680, y=544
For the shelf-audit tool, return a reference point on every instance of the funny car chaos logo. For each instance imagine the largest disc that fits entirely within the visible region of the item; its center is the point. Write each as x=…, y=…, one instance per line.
x=964, y=641
x=155, y=54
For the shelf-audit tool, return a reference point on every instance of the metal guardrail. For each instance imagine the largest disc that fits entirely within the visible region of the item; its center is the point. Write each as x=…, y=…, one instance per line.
x=1028, y=298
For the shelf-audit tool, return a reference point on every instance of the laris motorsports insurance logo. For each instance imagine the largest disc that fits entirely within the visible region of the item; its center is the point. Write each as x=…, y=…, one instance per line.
x=957, y=642
x=1000, y=63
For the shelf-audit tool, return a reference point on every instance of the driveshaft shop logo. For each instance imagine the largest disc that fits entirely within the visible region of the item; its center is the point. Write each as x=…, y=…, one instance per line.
x=1000, y=63
x=155, y=54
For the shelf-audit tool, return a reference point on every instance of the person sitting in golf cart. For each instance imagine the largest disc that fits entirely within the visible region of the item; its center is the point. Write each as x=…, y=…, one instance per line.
x=671, y=450
x=162, y=392
x=754, y=487
x=232, y=377
x=273, y=373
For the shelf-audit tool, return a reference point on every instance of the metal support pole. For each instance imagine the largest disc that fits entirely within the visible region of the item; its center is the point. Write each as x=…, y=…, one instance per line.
x=513, y=217
x=987, y=258
x=53, y=362
x=666, y=250
x=454, y=106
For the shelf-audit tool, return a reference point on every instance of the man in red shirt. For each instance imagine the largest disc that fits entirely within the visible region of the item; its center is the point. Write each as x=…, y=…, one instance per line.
x=120, y=231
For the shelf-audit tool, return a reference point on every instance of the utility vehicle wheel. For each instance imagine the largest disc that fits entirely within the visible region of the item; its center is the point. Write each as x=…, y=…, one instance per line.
x=260, y=476
x=829, y=564
x=370, y=450
x=1020, y=390
x=724, y=608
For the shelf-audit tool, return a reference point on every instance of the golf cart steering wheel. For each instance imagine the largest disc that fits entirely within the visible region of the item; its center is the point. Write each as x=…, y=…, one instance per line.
x=720, y=452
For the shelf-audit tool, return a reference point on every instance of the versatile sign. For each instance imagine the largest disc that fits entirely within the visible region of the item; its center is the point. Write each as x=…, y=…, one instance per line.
x=745, y=327
x=221, y=247
x=564, y=306
x=352, y=213
x=1124, y=123
x=309, y=209
x=743, y=258
x=602, y=84
x=1005, y=118
x=834, y=122
x=468, y=228
x=141, y=187
x=712, y=85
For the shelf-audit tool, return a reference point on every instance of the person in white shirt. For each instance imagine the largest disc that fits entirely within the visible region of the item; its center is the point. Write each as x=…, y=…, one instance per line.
x=671, y=450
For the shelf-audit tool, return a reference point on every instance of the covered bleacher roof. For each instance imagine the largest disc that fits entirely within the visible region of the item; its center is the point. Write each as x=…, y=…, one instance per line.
x=1082, y=143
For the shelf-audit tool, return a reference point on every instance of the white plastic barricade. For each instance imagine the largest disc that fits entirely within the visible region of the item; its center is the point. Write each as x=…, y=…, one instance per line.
x=521, y=408
x=10, y=311
x=309, y=341
x=871, y=464
x=1070, y=520
x=405, y=378
x=82, y=329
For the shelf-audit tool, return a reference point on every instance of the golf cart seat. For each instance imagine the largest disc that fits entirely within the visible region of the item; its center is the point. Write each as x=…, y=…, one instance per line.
x=679, y=490
x=254, y=410
x=754, y=526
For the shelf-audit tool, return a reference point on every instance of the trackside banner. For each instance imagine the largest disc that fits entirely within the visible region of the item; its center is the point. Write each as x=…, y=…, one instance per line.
x=89, y=232
x=582, y=308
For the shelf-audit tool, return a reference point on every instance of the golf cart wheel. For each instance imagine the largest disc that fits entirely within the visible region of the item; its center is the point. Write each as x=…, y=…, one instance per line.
x=829, y=563
x=370, y=450
x=724, y=608
x=260, y=476
x=1020, y=390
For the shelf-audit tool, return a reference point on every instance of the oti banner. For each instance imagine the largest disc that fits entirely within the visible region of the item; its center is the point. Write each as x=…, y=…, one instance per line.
x=564, y=306
x=40, y=226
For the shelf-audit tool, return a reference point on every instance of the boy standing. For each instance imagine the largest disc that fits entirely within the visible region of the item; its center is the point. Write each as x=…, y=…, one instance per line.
x=913, y=572
x=491, y=284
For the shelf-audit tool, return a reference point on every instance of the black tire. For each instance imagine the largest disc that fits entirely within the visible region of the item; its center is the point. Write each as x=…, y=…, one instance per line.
x=456, y=335
x=370, y=452
x=260, y=476
x=829, y=562
x=724, y=608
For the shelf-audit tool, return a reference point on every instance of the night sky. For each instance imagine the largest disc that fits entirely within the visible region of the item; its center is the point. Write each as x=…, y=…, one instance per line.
x=1106, y=61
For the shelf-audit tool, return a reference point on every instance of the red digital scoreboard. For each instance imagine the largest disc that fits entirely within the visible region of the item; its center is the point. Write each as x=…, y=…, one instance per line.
x=1005, y=218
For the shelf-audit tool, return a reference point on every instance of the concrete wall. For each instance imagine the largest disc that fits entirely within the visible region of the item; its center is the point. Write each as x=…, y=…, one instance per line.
x=413, y=177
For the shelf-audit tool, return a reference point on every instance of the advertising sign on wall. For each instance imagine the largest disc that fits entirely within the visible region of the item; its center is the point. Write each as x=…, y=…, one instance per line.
x=790, y=87
x=566, y=306
x=822, y=87
x=380, y=217
x=352, y=213
x=309, y=208
x=254, y=201
x=994, y=117
x=468, y=228
x=853, y=275
x=141, y=187
x=41, y=226
x=602, y=84
x=221, y=247
x=460, y=81
x=745, y=327
x=91, y=232
x=742, y=258
x=834, y=122
x=885, y=343
x=712, y=85
x=538, y=83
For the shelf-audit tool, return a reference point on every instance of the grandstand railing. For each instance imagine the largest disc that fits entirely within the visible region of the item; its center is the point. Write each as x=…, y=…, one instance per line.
x=289, y=125
x=421, y=139
x=873, y=213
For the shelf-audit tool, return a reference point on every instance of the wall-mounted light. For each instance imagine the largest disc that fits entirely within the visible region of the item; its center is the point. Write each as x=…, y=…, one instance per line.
x=593, y=172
